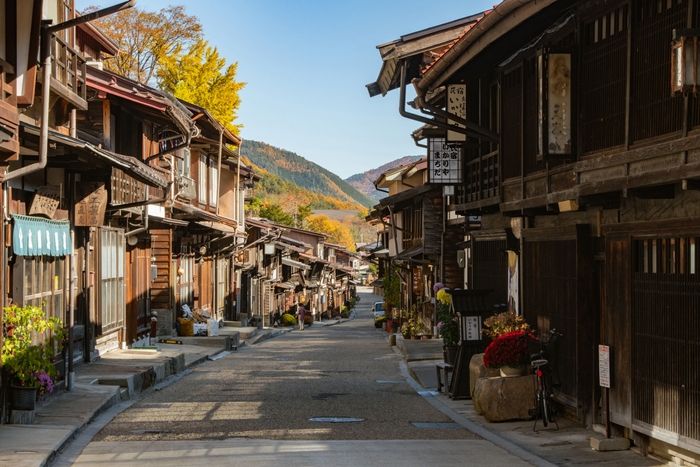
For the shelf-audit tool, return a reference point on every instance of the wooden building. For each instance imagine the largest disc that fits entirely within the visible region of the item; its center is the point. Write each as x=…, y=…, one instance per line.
x=588, y=179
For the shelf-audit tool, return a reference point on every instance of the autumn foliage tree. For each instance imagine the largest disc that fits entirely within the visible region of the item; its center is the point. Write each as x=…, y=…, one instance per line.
x=199, y=75
x=146, y=38
x=338, y=233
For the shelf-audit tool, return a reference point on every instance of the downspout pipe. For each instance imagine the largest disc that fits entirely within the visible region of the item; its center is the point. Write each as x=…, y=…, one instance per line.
x=218, y=170
x=434, y=122
x=144, y=227
x=46, y=58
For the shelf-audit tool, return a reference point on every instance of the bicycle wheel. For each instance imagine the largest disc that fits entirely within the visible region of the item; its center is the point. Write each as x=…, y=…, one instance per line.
x=546, y=410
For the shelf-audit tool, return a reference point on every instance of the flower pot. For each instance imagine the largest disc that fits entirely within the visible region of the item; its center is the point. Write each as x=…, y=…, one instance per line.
x=427, y=336
x=510, y=371
x=415, y=338
x=23, y=398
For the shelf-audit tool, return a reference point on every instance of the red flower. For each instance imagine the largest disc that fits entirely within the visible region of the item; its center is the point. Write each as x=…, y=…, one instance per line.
x=508, y=350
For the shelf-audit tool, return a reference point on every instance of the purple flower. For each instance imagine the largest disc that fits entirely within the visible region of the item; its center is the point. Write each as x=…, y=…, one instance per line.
x=438, y=286
x=440, y=325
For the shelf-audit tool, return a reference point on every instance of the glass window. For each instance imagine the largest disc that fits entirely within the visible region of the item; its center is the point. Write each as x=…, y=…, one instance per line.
x=214, y=184
x=43, y=278
x=112, y=300
x=202, y=179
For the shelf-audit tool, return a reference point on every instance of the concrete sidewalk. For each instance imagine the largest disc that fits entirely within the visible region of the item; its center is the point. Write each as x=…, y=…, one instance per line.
x=120, y=375
x=568, y=445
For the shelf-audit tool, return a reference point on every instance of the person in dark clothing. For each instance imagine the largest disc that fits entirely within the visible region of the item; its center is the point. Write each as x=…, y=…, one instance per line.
x=301, y=314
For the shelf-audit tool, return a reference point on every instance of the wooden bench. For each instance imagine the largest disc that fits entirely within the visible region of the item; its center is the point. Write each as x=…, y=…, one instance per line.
x=441, y=367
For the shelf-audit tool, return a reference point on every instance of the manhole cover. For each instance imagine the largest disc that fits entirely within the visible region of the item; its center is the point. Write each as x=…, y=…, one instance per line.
x=436, y=425
x=152, y=406
x=336, y=420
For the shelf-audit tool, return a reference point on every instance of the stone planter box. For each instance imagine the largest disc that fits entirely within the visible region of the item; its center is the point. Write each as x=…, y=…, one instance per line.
x=478, y=370
x=500, y=399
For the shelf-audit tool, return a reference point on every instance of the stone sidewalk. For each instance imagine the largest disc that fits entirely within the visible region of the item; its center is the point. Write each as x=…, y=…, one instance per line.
x=567, y=446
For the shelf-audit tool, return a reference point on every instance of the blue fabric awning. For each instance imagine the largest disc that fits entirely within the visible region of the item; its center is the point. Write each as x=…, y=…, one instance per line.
x=35, y=236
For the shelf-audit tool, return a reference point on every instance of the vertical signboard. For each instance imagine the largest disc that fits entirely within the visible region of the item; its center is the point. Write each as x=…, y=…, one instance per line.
x=91, y=203
x=444, y=162
x=554, y=104
x=604, y=366
x=457, y=106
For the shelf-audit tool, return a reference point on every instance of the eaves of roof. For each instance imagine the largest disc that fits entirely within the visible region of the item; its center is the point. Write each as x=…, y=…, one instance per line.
x=477, y=37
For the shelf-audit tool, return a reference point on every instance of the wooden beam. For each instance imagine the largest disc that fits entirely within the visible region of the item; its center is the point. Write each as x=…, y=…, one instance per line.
x=106, y=124
x=652, y=192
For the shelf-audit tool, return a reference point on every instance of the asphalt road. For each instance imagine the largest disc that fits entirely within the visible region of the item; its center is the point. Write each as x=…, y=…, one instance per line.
x=256, y=407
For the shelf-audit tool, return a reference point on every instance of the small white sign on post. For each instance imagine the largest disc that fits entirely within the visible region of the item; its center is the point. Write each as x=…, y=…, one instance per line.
x=473, y=328
x=604, y=366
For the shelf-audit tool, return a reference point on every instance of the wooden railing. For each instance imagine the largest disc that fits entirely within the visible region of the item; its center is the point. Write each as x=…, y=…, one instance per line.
x=69, y=67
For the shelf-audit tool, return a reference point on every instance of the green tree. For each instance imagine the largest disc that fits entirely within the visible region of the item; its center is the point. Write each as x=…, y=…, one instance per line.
x=275, y=213
x=200, y=76
x=145, y=38
x=303, y=212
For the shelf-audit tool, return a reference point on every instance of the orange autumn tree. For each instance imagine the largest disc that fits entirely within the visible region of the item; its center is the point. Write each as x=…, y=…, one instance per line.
x=146, y=38
x=339, y=233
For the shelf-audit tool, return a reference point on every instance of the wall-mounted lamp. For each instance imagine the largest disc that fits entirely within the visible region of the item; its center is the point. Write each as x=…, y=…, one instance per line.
x=202, y=249
x=685, y=68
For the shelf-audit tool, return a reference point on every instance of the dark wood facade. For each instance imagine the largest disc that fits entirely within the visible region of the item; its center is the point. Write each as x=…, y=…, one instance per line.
x=609, y=221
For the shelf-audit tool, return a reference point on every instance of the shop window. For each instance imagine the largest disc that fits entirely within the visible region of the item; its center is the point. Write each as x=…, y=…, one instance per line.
x=42, y=279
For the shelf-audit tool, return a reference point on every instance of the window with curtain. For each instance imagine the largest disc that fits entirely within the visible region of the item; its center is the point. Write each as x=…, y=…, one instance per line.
x=111, y=279
x=222, y=278
x=186, y=279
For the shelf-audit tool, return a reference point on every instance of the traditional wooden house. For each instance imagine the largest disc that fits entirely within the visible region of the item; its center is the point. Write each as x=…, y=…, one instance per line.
x=590, y=186
x=55, y=185
x=422, y=246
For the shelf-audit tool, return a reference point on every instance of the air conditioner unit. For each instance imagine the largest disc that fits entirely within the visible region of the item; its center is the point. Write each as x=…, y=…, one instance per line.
x=98, y=65
x=186, y=188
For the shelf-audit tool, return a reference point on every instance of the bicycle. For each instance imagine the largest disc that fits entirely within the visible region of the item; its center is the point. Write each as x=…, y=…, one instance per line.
x=544, y=394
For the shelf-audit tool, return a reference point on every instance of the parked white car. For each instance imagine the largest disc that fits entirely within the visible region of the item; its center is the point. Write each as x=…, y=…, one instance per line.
x=378, y=309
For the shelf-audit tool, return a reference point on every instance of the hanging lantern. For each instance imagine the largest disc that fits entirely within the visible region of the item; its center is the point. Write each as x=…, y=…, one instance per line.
x=684, y=60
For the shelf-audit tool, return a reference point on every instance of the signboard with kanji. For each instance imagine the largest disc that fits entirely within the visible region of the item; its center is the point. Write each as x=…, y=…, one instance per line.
x=46, y=201
x=416, y=280
x=457, y=106
x=91, y=203
x=444, y=162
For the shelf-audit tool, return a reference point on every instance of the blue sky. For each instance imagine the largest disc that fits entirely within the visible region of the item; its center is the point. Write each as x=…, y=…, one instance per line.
x=306, y=64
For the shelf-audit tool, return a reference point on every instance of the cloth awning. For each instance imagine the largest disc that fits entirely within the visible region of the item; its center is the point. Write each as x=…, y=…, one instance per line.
x=36, y=236
x=295, y=264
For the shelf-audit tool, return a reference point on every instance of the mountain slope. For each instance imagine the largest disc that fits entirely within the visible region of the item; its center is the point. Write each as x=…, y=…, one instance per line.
x=291, y=167
x=364, y=182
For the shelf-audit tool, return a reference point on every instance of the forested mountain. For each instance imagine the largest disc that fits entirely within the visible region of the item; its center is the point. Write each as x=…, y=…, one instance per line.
x=286, y=166
x=364, y=182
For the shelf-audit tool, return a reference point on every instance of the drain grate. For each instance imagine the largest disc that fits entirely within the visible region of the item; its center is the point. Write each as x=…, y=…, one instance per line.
x=429, y=393
x=436, y=425
x=336, y=420
x=149, y=432
x=152, y=406
x=281, y=359
x=389, y=381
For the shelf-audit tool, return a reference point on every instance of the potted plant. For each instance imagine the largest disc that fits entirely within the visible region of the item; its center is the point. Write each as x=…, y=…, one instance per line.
x=28, y=352
x=508, y=353
x=503, y=323
x=448, y=324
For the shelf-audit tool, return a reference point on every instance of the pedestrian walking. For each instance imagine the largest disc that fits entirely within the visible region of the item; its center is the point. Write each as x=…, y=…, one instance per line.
x=301, y=314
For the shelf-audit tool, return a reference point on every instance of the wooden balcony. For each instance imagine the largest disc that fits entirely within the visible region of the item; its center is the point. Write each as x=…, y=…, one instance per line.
x=9, y=116
x=647, y=171
x=68, y=73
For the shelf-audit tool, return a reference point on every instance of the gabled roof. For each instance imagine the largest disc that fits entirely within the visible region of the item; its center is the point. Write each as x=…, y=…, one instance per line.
x=415, y=47
x=478, y=36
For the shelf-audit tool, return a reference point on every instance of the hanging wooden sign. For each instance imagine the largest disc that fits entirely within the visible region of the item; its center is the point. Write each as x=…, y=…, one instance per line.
x=90, y=204
x=46, y=201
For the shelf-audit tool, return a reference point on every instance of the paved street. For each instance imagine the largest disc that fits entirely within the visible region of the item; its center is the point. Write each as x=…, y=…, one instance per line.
x=254, y=407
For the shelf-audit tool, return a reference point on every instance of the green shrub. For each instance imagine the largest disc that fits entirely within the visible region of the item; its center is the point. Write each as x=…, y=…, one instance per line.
x=288, y=320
